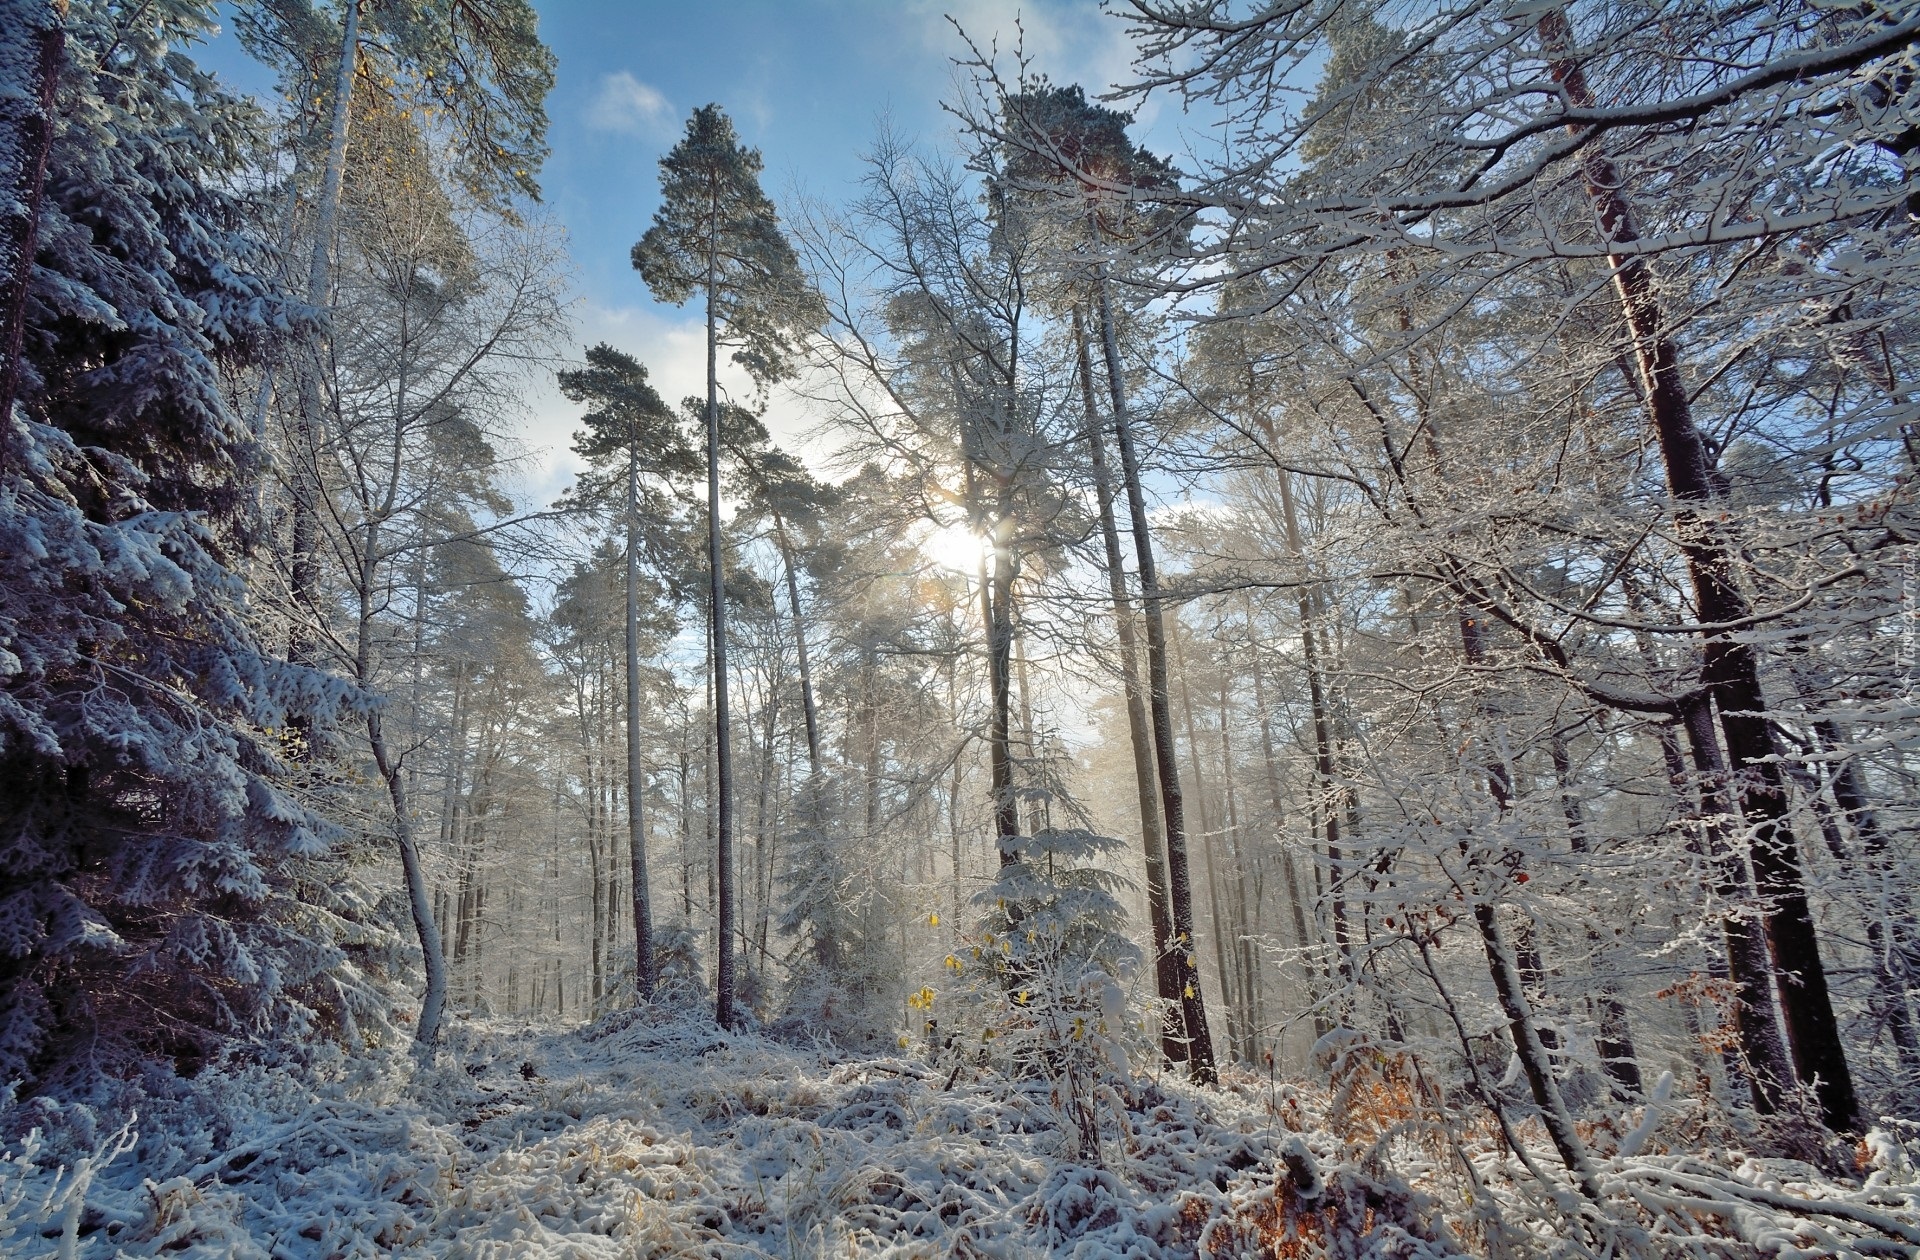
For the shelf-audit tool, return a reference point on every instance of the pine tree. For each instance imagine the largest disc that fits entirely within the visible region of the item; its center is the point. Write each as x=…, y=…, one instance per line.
x=630, y=427
x=1064, y=147
x=150, y=848
x=716, y=235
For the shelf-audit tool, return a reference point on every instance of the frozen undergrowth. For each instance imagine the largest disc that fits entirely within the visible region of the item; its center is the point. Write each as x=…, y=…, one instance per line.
x=660, y=1137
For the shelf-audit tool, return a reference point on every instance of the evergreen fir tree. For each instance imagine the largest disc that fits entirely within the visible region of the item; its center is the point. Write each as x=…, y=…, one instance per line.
x=153, y=861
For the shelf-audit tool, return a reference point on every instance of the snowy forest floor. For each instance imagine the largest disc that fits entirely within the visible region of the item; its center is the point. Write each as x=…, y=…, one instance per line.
x=657, y=1136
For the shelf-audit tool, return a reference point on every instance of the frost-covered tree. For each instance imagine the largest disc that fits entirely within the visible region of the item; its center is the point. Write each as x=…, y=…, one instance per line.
x=716, y=235
x=162, y=889
x=440, y=307
x=629, y=432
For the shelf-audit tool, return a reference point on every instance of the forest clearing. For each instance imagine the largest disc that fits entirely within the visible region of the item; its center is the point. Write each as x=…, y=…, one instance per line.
x=1195, y=629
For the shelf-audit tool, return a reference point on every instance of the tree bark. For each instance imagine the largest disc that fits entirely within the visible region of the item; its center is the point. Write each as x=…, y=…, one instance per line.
x=1730, y=670
x=1245, y=928
x=303, y=569
x=643, y=964
x=996, y=591
x=1535, y=1063
x=1217, y=916
x=1768, y=1067
x=800, y=646
x=722, y=723
x=426, y=1034
x=1166, y=962
x=1200, y=1058
x=1326, y=763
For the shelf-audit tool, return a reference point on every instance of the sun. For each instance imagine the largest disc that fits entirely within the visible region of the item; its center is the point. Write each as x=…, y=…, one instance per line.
x=954, y=547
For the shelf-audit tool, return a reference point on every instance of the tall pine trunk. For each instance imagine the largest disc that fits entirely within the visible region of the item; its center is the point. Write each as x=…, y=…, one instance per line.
x=1327, y=804
x=807, y=704
x=1731, y=670
x=722, y=718
x=1173, y=813
x=643, y=964
x=1768, y=1066
x=303, y=569
x=1166, y=961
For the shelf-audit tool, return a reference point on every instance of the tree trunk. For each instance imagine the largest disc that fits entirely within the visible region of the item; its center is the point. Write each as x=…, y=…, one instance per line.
x=1534, y=1060
x=686, y=839
x=426, y=1034
x=1615, y=1037
x=1310, y=946
x=722, y=722
x=1210, y=850
x=1510, y=976
x=1731, y=670
x=996, y=593
x=643, y=965
x=303, y=570
x=1326, y=765
x=1173, y=815
x=1249, y=976
x=1890, y=924
x=800, y=646
x=1166, y=961
x=1768, y=1066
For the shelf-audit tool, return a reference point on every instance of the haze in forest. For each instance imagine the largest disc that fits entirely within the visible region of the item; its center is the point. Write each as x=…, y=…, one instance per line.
x=1168, y=628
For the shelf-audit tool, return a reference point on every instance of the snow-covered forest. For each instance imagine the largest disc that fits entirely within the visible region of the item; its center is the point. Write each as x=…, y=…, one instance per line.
x=1348, y=690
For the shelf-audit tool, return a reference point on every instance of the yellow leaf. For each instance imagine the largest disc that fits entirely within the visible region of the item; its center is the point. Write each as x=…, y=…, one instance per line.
x=933, y=920
x=1189, y=992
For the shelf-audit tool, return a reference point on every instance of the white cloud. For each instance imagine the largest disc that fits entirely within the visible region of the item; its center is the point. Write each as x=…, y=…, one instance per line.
x=625, y=105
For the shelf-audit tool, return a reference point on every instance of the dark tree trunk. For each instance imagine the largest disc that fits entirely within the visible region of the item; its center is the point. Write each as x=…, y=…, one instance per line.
x=800, y=646
x=643, y=965
x=722, y=715
x=1173, y=814
x=1813, y=1034
x=1166, y=962
x=996, y=594
x=1768, y=1067
x=1217, y=917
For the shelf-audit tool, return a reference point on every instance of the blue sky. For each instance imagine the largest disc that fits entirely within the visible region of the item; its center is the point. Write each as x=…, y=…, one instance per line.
x=808, y=82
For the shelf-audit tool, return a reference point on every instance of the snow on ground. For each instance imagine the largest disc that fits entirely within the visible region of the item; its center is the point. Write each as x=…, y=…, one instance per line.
x=657, y=1136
